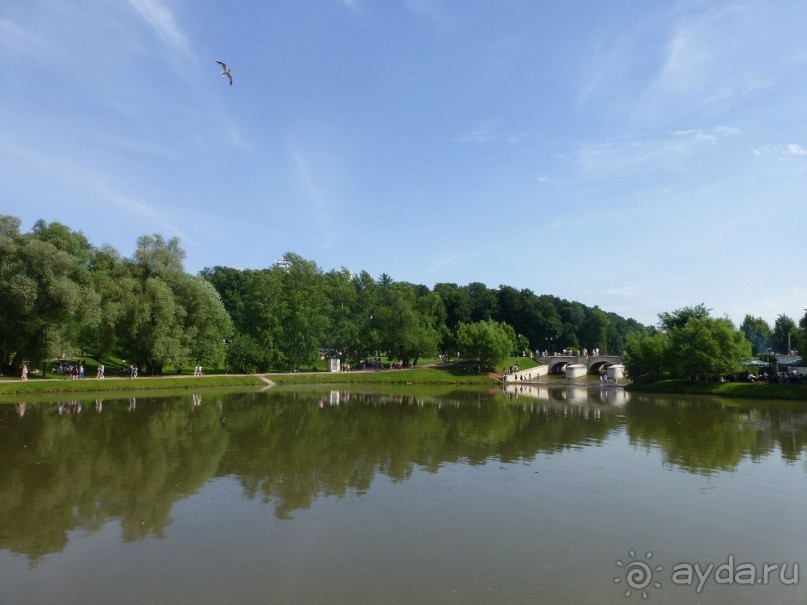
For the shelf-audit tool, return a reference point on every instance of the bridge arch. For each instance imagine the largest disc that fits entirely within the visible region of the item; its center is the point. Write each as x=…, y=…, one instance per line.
x=558, y=367
x=599, y=366
x=556, y=364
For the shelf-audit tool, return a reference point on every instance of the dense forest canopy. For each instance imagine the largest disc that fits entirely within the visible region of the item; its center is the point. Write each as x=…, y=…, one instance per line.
x=61, y=293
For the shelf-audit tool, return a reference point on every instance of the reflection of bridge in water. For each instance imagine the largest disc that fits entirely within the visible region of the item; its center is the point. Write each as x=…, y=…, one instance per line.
x=556, y=364
x=555, y=395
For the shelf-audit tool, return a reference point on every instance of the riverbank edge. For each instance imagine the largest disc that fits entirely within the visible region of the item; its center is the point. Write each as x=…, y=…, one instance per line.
x=111, y=385
x=734, y=390
x=426, y=376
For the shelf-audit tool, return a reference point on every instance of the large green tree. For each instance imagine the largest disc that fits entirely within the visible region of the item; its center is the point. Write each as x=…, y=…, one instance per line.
x=47, y=292
x=408, y=323
x=594, y=330
x=206, y=324
x=304, y=314
x=231, y=285
x=647, y=356
x=347, y=316
x=457, y=302
x=689, y=344
x=485, y=342
x=668, y=320
x=785, y=334
x=259, y=330
x=164, y=316
x=706, y=346
x=757, y=332
x=151, y=323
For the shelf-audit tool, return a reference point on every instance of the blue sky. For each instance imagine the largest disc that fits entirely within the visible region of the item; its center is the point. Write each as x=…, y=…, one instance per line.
x=639, y=156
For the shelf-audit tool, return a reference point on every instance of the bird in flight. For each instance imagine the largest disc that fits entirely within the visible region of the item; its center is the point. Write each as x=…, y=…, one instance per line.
x=226, y=71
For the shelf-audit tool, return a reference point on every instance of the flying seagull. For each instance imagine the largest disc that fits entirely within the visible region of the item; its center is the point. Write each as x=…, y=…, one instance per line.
x=226, y=71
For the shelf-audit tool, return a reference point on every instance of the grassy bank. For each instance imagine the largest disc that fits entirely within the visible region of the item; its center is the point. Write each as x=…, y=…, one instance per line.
x=438, y=375
x=745, y=390
x=110, y=385
x=449, y=374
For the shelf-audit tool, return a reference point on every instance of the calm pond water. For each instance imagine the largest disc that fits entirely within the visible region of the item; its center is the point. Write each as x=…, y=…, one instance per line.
x=551, y=495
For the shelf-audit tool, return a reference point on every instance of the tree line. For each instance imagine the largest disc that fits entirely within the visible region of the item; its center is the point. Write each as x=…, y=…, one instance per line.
x=284, y=315
x=61, y=293
x=690, y=343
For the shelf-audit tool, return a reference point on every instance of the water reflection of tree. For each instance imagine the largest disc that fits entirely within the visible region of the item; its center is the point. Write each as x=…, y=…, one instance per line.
x=786, y=427
x=703, y=437
x=66, y=470
x=292, y=451
x=288, y=448
x=77, y=471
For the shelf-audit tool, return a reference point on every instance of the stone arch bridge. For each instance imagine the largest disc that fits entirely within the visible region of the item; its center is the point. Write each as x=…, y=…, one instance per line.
x=556, y=364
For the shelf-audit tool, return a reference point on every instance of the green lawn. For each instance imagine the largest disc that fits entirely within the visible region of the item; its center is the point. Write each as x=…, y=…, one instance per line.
x=92, y=385
x=428, y=372
x=442, y=374
x=523, y=363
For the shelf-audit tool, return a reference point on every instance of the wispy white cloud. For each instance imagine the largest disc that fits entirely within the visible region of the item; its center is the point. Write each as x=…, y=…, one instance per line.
x=696, y=135
x=318, y=198
x=351, y=4
x=489, y=132
x=134, y=206
x=98, y=194
x=602, y=160
x=783, y=153
x=795, y=149
x=665, y=153
x=703, y=136
x=518, y=137
x=162, y=20
x=708, y=68
x=480, y=134
x=689, y=59
x=450, y=259
x=615, y=63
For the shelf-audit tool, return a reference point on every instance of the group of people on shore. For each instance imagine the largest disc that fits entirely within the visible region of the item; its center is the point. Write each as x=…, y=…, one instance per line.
x=513, y=369
x=570, y=352
x=77, y=371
